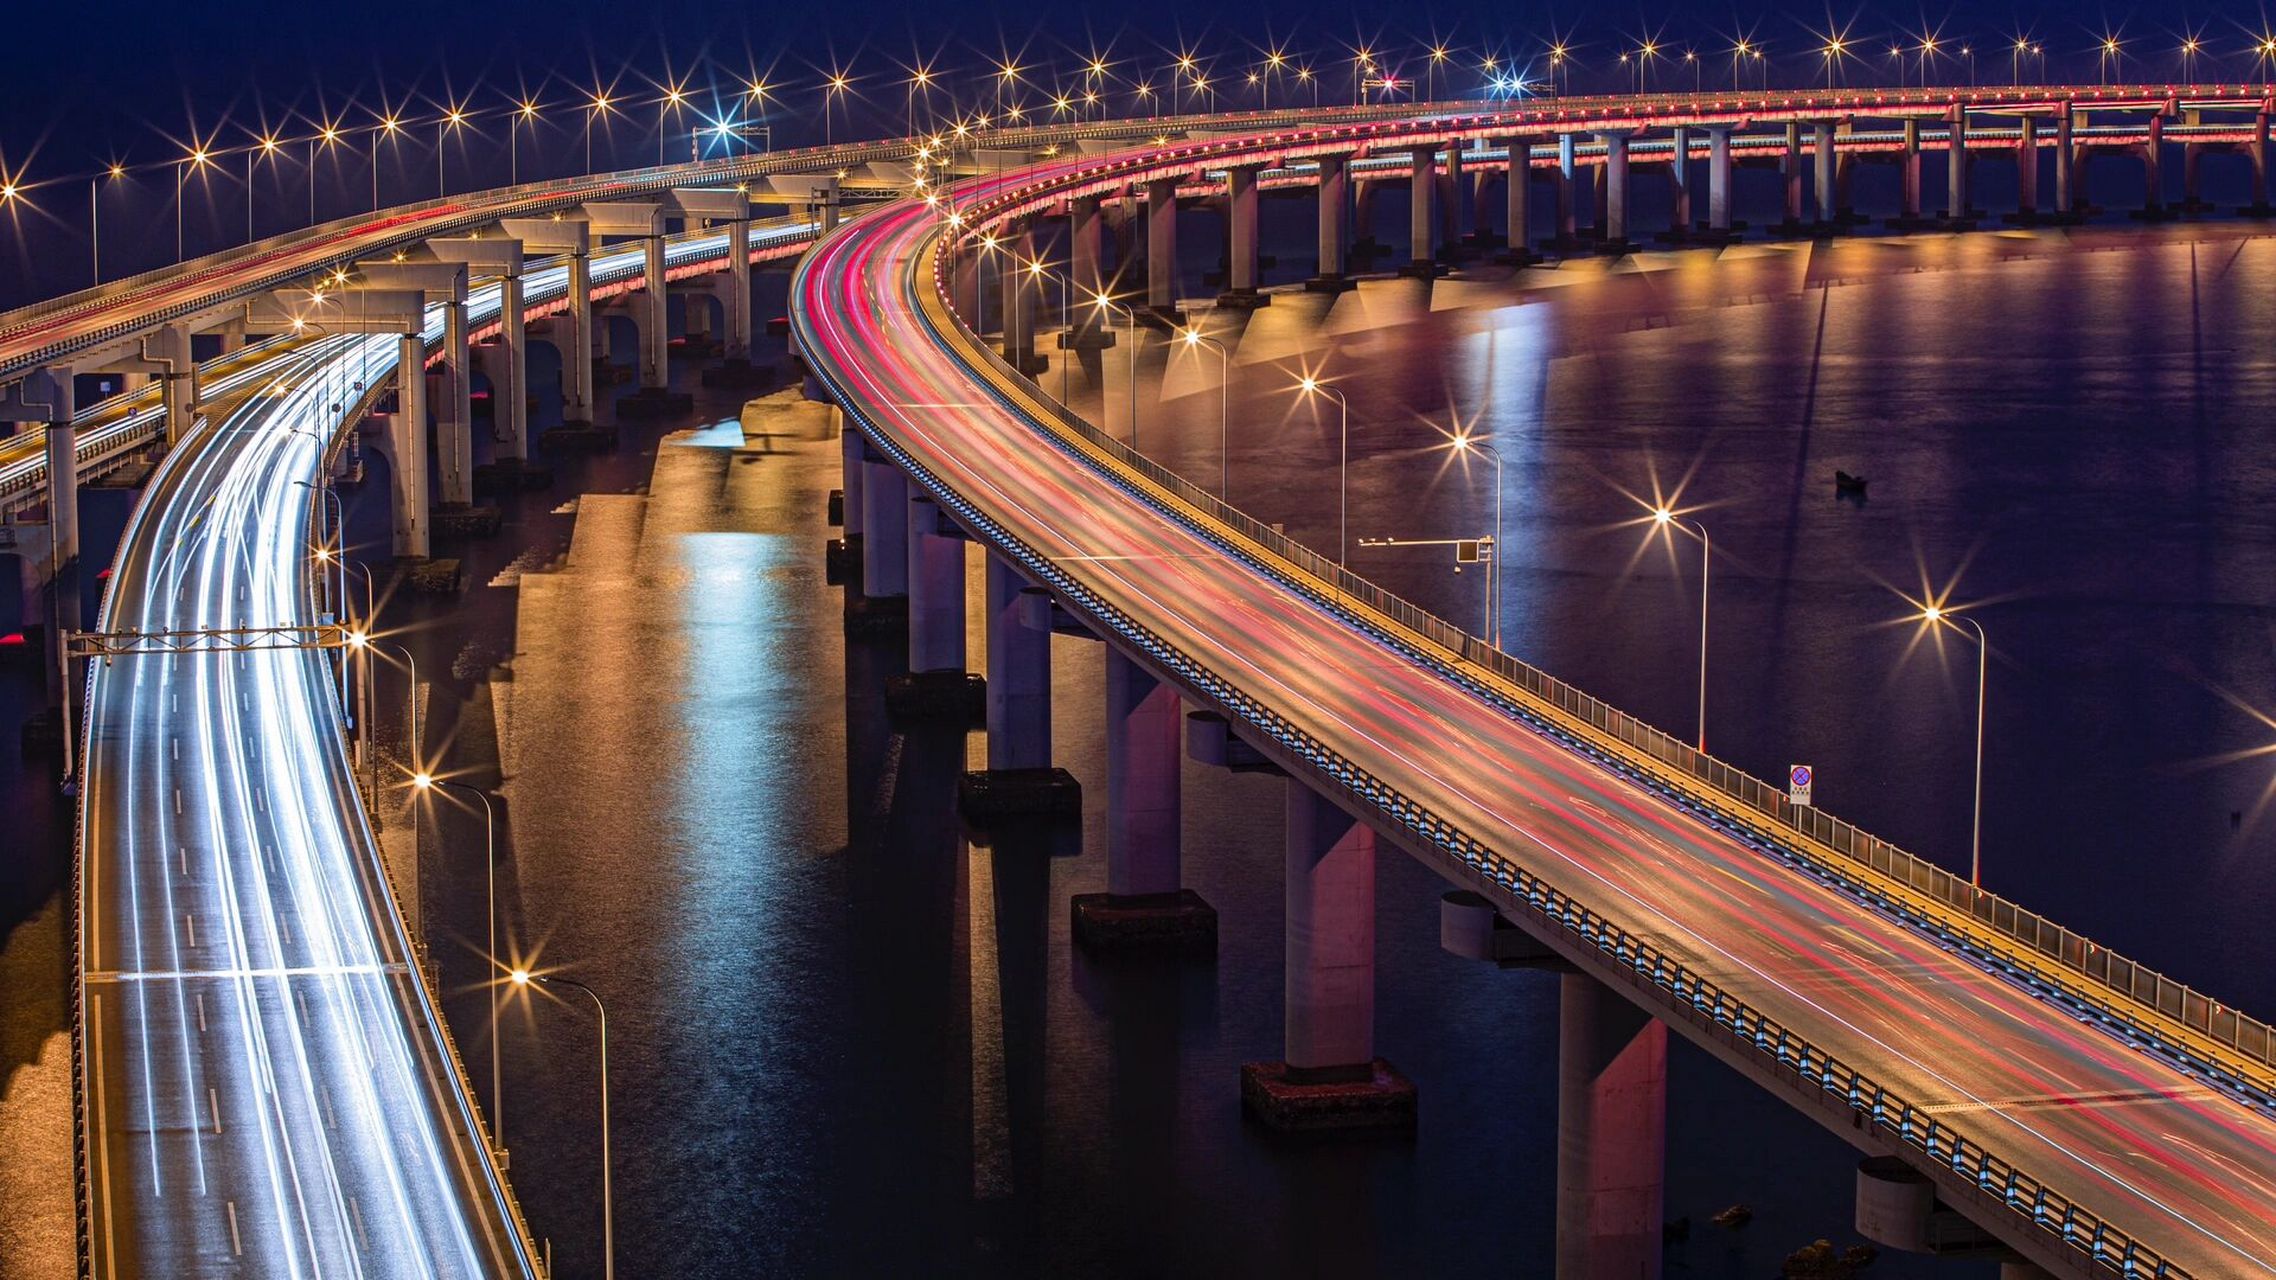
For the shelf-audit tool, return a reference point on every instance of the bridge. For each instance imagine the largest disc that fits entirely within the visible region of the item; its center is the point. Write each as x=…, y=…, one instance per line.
x=263, y=1072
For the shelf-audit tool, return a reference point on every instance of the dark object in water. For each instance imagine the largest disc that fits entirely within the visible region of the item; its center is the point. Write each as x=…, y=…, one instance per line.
x=1843, y=482
x=1731, y=1219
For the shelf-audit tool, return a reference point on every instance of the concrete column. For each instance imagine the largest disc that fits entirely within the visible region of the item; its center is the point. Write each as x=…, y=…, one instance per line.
x=1329, y=1020
x=1144, y=757
x=2027, y=166
x=1019, y=670
x=232, y=337
x=510, y=400
x=1422, y=222
x=1162, y=244
x=1822, y=153
x=454, y=414
x=1084, y=235
x=964, y=287
x=1519, y=213
x=1615, y=186
x=1679, y=181
x=1909, y=169
x=1567, y=227
x=1335, y=189
x=1719, y=178
x=577, y=352
x=2064, y=203
x=884, y=530
x=1454, y=197
x=655, y=321
x=936, y=589
x=2152, y=156
x=2259, y=157
x=53, y=388
x=178, y=390
x=1611, y=1135
x=738, y=302
x=407, y=441
x=1793, y=172
x=1956, y=172
x=1241, y=223
x=1017, y=297
x=853, y=453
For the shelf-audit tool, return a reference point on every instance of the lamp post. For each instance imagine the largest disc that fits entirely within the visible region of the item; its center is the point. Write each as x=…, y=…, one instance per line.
x=1192, y=337
x=598, y=107
x=1667, y=519
x=524, y=113
x=1312, y=386
x=424, y=782
x=1130, y=317
x=1464, y=443
x=1938, y=616
x=523, y=978
x=95, y=217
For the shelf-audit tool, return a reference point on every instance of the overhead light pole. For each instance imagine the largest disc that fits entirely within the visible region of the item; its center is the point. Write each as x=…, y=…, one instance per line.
x=1665, y=518
x=523, y=978
x=1937, y=615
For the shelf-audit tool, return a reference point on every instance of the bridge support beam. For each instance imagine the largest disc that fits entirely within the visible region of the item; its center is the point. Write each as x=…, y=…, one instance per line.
x=1335, y=199
x=2153, y=184
x=1454, y=212
x=1611, y=1134
x=1144, y=907
x=407, y=443
x=1908, y=163
x=509, y=393
x=1241, y=239
x=1518, y=211
x=1422, y=220
x=1679, y=183
x=2027, y=169
x=1162, y=247
x=2066, y=203
x=1956, y=170
x=454, y=410
x=577, y=353
x=1719, y=179
x=936, y=685
x=881, y=606
x=1085, y=242
x=1330, y=1077
x=2257, y=150
x=1015, y=283
x=655, y=320
x=1568, y=226
x=1615, y=222
x=1019, y=780
x=1822, y=159
x=1793, y=174
x=738, y=301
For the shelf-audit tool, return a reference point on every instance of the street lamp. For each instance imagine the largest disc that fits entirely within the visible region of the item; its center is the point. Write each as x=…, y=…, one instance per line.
x=1665, y=518
x=1937, y=615
x=598, y=107
x=451, y=122
x=1108, y=305
x=1464, y=443
x=525, y=112
x=198, y=158
x=1192, y=336
x=425, y=782
x=523, y=978
x=95, y=216
x=1312, y=386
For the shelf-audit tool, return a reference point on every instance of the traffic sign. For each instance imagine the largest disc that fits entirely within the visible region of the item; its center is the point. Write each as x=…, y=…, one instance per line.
x=1799, y=778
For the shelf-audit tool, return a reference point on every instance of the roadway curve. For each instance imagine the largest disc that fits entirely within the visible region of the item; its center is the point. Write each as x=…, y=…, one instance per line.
x=2187, y=1170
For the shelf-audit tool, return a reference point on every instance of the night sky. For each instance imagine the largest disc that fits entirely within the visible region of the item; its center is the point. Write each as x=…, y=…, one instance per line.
x=137, y=82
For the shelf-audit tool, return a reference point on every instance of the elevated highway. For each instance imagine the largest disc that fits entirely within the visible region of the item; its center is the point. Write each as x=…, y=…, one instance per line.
x=2092, y=1122
x=264, y=1073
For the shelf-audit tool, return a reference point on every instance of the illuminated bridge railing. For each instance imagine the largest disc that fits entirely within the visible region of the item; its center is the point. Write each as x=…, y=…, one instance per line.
x=1990, y=1181
x=2190, y=1025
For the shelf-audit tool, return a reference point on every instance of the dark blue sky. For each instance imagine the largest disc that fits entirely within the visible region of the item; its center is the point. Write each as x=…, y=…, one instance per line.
x=130, y=81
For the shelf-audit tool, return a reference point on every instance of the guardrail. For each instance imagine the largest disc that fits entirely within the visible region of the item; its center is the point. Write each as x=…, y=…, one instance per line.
x=2071, y=1228
x=2121, y=989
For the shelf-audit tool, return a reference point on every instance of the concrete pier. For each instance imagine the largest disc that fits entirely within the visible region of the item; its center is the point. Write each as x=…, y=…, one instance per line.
x=936, y=685
x=1908, y=164
x=1330, y=1077
x=572, y=329
x=655, y=319
x=1162, y=246
x=1956, y=170
x=1568, y=228
x=881, y=606
x=454, y=411
x=1793, y=174
x=1822, y=160
x=407, y=445
x=2153, y=182
x=1422, y=219
x=1611, y=1134
x=2027, y=168
x=1144, y=904
x=1719, y=179
x=1517, y=195
x=2066, y=203
x=1615, y=220
x=1020, y=781
x=1679, y=182
x=1335, y=198
x=1017, y=283
x=1241, y=239
x=1085, y=237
